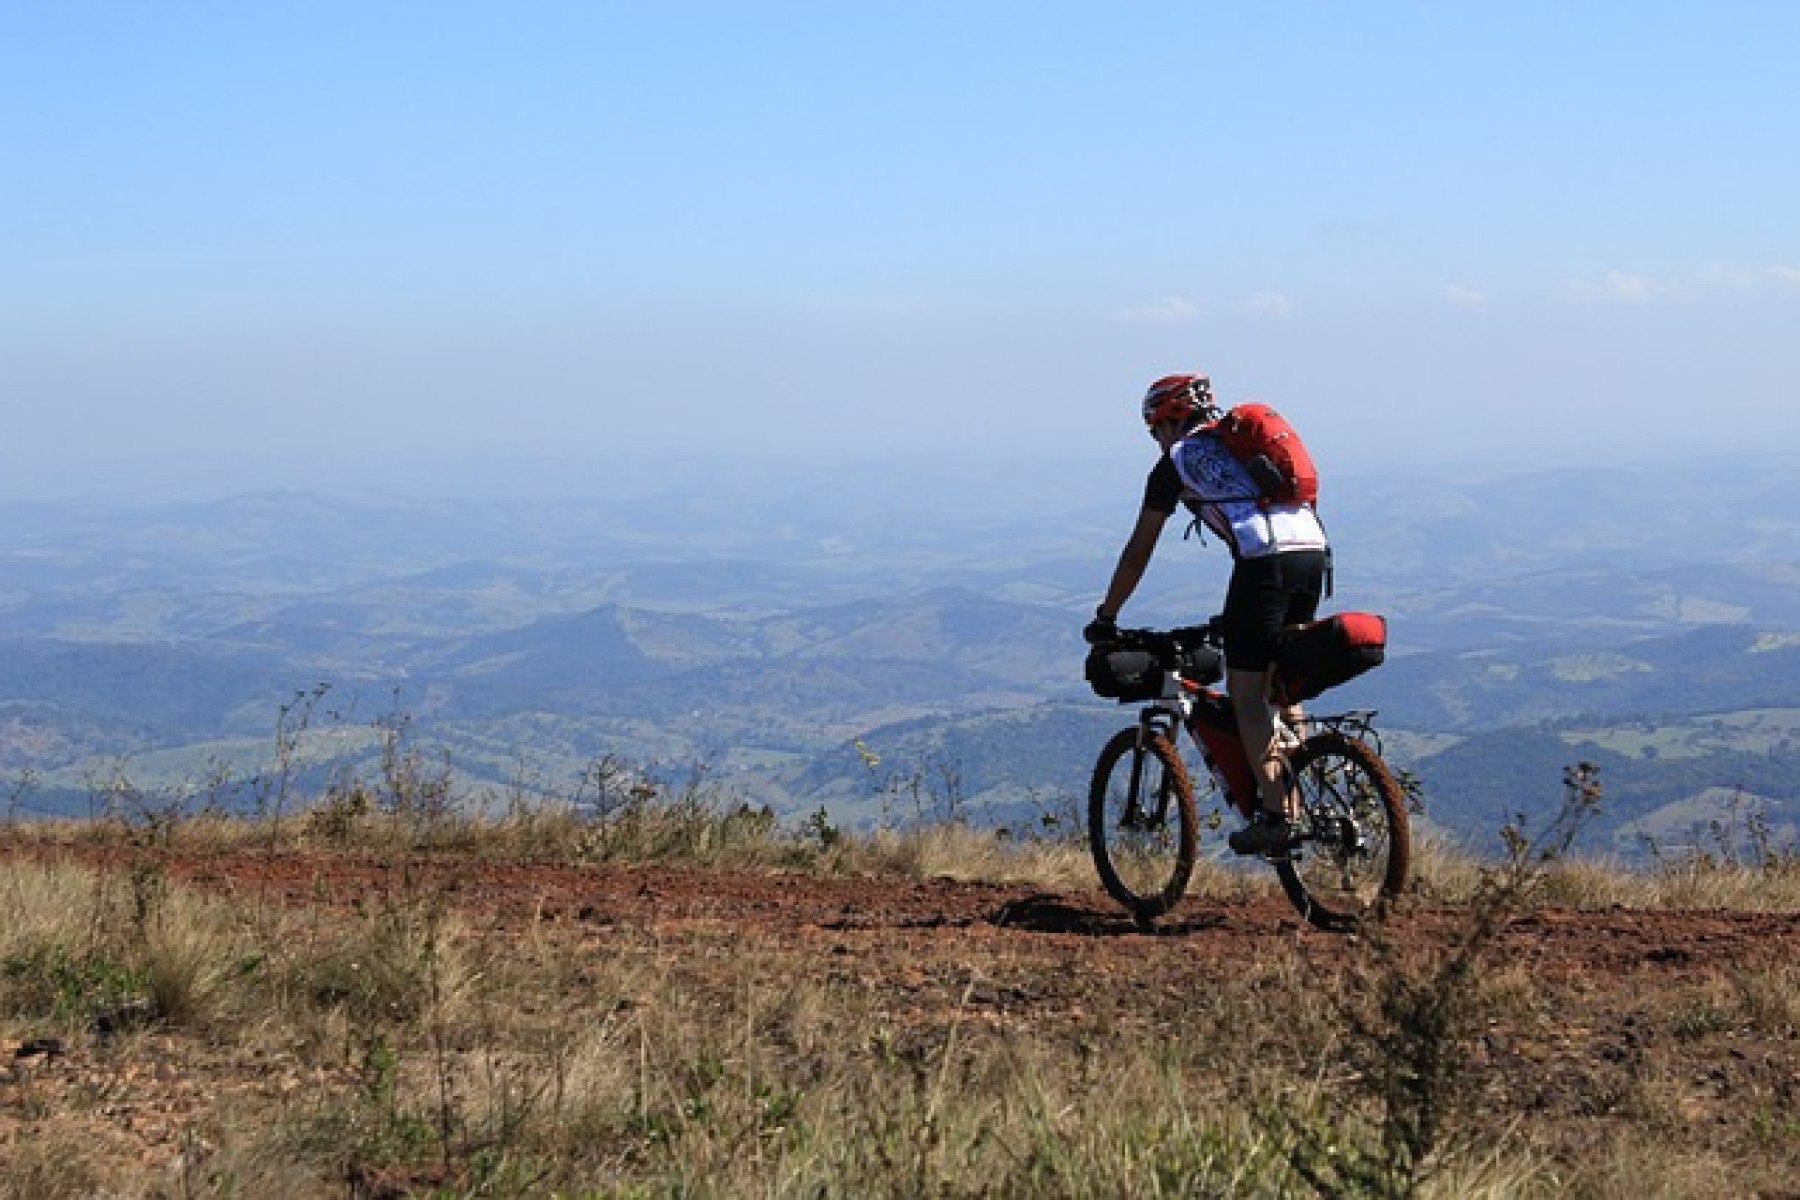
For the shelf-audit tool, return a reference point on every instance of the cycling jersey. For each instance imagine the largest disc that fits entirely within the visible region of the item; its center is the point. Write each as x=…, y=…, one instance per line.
x=1200, y=472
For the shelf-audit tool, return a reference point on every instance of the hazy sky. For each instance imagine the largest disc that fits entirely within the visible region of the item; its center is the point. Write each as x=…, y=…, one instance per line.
x=1426, y=230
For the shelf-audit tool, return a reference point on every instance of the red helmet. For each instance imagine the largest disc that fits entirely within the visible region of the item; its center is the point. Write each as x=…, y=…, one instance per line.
x=1177, y=397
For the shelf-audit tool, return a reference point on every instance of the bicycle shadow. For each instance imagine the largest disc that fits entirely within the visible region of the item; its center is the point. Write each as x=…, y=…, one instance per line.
x=1048, y=912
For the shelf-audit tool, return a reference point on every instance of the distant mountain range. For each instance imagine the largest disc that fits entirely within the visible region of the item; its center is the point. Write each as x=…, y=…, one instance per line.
x=1534, y=620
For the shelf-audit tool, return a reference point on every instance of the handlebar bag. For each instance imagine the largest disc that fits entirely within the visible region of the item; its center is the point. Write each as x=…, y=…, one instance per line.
x=1322, y=654
x=1127, y=676
x=1201, y=664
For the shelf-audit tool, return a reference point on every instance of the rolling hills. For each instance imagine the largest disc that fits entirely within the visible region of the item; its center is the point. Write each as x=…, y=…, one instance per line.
x=1534, y=620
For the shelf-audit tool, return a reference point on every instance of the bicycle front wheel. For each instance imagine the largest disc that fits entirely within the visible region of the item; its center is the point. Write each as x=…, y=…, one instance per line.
x=1353, y=845
x=1141, y=822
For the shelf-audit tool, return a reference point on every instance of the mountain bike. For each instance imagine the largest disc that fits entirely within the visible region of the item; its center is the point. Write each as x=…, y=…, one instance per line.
x=1351, y=844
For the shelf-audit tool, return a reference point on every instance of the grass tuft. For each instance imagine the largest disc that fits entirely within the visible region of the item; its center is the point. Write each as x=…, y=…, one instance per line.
x=403, y=1042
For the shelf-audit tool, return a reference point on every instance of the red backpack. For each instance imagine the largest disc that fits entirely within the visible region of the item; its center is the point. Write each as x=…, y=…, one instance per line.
x=1270, y=449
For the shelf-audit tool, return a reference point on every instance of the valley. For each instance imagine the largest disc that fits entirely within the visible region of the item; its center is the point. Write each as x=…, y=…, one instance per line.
x=876, y=658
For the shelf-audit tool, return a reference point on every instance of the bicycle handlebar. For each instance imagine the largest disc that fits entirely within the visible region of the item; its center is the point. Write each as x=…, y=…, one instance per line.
x=1167, y=643
x=1193, y=650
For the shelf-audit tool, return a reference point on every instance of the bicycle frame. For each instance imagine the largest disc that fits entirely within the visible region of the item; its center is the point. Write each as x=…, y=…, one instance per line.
x=1211, y=721
x=1213, y=725
x=1207, y=715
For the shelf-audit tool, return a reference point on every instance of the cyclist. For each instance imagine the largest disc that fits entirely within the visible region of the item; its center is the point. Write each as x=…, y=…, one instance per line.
x=1280, y=558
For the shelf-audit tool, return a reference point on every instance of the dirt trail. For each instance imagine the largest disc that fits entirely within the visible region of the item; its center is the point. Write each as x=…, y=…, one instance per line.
x=1606, y=942
x=1610, y=987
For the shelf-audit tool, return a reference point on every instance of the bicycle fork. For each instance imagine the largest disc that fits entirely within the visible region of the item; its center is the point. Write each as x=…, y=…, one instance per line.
x=1152, y=723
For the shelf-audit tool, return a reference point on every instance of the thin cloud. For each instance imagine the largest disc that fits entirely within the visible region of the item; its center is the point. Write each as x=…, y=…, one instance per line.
x=1618, y=286
x=1270, y=304
x=1629, y=288
x=1170, y=310
x=1729, y=278
x=1464, y=296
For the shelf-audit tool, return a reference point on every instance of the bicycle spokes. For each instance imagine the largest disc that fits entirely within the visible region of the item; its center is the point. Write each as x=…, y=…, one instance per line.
x=1340, y=805
x=1146, y=814
x=1353, y=845
x=1140, y=823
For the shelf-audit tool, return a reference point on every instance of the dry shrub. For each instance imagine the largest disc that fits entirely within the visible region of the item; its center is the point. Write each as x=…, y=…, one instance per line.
x=43, y=904
x=958, y=851
x=396, y=962
x=1638, y=1163
x=1443, y=870
x=1230, y=879
x=49, y=1162
x=230, y=1155
x=1581, y=881
x=1740, y=861
x=1513, y=1174
x=1705, y=883
x=1767, y=999
x=1410, y=1016
x=79, y=946
x=191, y=952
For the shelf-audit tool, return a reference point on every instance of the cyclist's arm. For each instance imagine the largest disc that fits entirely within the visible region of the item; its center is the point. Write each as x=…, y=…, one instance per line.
x=1134, y=559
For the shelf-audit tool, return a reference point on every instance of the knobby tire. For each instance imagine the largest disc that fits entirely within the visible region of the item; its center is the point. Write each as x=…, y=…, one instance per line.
x=1144, y=862
x=1335, y=882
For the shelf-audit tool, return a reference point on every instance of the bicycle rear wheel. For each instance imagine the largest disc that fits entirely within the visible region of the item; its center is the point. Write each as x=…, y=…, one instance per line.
x=1141, y=822
x=1353, y=845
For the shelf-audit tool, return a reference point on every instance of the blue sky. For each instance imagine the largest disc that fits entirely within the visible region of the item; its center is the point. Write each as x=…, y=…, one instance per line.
x=1455, y=232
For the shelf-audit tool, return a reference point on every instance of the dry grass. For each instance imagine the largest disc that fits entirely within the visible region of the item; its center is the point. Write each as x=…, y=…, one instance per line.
x=401, y=1046
x=1443, y=872
x=421, y=1054
x=61, y=1164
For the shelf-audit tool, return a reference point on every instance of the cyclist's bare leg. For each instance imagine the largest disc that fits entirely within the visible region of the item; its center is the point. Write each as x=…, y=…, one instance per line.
x=1249, y=691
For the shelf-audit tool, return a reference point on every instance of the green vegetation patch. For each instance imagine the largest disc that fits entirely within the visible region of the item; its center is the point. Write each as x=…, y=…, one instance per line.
x=1753, y=731
x=1590, y=668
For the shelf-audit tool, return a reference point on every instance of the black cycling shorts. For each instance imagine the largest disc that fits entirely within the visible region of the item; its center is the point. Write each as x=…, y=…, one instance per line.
x=1265, y=596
